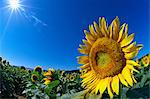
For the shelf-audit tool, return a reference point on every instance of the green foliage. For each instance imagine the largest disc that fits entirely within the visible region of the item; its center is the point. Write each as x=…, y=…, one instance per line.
x=38, y=89
x=13, y=80
x=69, y=82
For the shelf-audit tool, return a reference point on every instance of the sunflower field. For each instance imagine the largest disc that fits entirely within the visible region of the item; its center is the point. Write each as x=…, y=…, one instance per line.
x=21, y=83
x=108, y=69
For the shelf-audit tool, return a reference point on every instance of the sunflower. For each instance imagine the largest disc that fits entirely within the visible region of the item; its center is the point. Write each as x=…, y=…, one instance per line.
x=145, y=61
x=62, y=73
x=108, y=52
x=49, y=72
x=34, y=78
x=38, y=69
x=149, y=58
x=71, y=78
x=83, y=71
x=47, y=80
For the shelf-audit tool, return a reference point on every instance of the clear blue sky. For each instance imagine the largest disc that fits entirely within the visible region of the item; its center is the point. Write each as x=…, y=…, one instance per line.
x=55, y=45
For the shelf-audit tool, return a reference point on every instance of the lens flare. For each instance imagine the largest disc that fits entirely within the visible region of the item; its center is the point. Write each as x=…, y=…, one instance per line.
x=14, y=4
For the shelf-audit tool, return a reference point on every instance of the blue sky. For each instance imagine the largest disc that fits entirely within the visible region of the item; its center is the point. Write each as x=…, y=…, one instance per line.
x=55, y=44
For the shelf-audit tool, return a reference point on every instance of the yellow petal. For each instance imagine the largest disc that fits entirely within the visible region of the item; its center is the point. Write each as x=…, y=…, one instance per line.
x=131, y=55
x=103, y=86
x=128, y=48
x=134, y=79
x=83, y=59
x=132, y=48
x=92, y=84
x=88, y=77
x=97, y=30
x=100, y=22
x=132, y=62
x=98, y=85
x=110, y=30
x=85, y=66
x=82, y=46
x=122, y=80
x=109, y=88
x=92, y=31
x=103, y=27
x=132, y=68
x=47, y=82
x=84, y=51
x=121, y=32
x=86, y=74
x=87, y=44
x=127, y=40
x=125, y=34
x=127, y=75
x=116, y=25
x=89, y=37
x=115, y=84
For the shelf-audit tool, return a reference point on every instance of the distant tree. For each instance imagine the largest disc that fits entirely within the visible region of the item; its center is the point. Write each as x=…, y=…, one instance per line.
x=4, y=61
x=22, y=67
x=0, y=59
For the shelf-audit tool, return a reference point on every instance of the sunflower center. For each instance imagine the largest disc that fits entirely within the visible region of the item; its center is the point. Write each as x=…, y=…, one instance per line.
x=103, y=59
x=35, y=78
x=106, y=58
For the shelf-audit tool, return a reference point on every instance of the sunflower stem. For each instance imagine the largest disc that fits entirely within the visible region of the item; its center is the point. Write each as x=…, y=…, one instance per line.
x=120, y=91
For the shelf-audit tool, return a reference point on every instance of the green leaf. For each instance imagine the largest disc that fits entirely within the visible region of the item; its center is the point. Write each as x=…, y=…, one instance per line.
x=53, y=84
x=48, y=90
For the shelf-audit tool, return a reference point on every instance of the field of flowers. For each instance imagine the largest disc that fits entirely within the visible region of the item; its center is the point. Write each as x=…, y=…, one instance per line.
x=19, y=82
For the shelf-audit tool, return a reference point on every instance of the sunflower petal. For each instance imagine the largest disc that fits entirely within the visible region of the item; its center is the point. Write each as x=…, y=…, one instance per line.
x=103, y=27
x=85, y=66
x=103, y=86
x=132, y=48
x=127, y=40
x=92, y=31
x=127, y=75
x=88, y=78
x=110, y=30
x=121, y=32
x=122, y=80
x=83, y=51
x=132, y=62
x=131, y=55
x=97, y=30
x=87, y=44
x=115, y=85
x=134, y=79
x=109, y=88
x=83, y=59
x=86, y=74
x=132, y=68
x=89, y=37
x=98, y=85
x=128, y=48
x=92, y=84
x=125, y=34
x=86, y=81
x=116, y=25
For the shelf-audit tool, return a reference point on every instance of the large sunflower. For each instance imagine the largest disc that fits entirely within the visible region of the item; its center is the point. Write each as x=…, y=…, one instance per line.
x=108, y=52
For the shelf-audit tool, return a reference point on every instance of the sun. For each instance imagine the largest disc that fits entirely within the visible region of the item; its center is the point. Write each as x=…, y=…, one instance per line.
x=108, y=53
x=14, y=4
